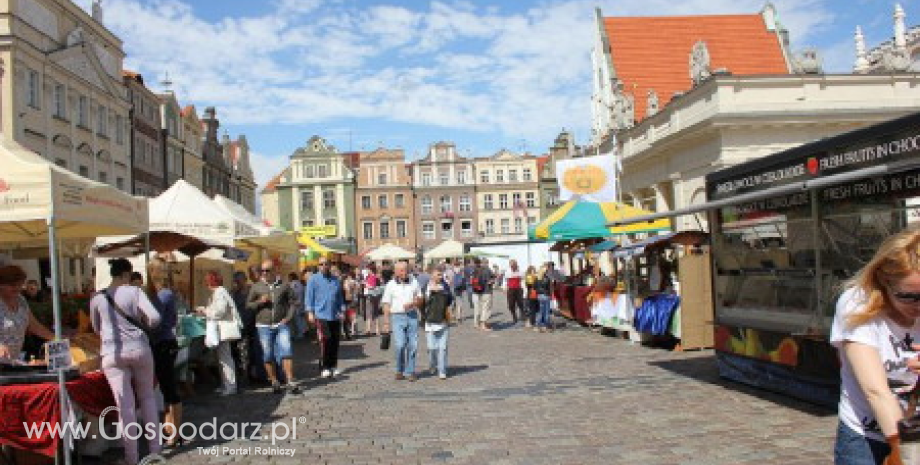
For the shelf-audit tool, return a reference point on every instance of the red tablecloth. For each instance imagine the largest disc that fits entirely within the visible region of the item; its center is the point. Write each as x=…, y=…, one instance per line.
x=38, y=403
x=581, y=311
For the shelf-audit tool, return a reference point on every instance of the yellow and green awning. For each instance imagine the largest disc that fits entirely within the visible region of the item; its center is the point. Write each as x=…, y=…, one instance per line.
x=581, y=220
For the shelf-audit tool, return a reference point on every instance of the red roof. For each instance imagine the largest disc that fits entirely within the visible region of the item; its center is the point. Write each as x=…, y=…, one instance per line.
x=654, y=52
x=273, y=182
x=541, y=162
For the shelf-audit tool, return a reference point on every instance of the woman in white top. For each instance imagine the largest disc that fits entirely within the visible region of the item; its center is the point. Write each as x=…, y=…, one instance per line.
x=222, y=311
x=875, y=329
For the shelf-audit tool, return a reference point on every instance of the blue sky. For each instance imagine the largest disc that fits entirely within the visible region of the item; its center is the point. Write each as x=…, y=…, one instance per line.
x=363, y=74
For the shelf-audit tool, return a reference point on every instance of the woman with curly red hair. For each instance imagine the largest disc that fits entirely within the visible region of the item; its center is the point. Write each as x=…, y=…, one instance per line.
x=875, y=327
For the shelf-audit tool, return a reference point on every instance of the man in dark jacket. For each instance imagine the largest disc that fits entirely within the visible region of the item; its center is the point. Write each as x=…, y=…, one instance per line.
x=273, y=303
x=481, y=282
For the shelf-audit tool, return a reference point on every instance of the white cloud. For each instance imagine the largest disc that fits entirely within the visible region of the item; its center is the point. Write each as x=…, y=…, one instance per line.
x=265, y=167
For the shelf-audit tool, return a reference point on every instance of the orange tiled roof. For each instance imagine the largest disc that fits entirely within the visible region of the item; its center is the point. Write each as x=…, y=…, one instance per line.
x=273, y=182
x=541, y=162
x=654, y=52
x=185, y=111
x=129, y=74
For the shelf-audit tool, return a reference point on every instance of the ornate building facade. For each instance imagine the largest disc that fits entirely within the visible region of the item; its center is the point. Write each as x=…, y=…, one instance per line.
x=63, y=97
x=242, y=182
x=216, y=174
x=384, y=203
x=444, y=197
x=899, y=54
x=148, y=168
x=191, y=140
x=171, y=137
x=507, y=196
x=318, y=189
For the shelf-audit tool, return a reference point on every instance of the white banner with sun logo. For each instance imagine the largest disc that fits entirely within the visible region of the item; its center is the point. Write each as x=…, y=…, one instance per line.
x=589, y=179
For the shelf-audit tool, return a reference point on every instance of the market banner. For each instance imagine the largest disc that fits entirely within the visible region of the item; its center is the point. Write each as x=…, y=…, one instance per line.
x=588, y=179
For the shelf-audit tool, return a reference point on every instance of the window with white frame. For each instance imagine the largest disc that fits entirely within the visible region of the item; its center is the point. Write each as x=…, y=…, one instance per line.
x=119, y=129
x=484, y=177
x=516, y=200
x=518, y=225
x=365, y=202
x=512, y=175
x=503, y=201
x=328, y=198
x=465, y=203
x=427, y=205
x=527, y=175
x=331, y=221
x=530, y=199
x=447, y=229
x=426, y=179
x=60, y=101
x=428, y=230
x=306, y=200
x=444, y=178
x=399, y=200
x=531, y=220
x=368, y=229
x=381, y=179
x=309, y=171
x=466, y=228
x=446, y=203
x=401, y=229
x=490, y=227
x=321, y=171
x=34, y=89
x=120, y=183
x=307, y=223
x=383, y=201
x=499, y=175
x=506, y=226
x=487, y=202
x=461, y=177
x=384, y=229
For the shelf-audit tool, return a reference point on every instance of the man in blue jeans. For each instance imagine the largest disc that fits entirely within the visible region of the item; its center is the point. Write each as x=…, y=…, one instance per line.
x=273, y=304
x=401, y=302
x=324, y=302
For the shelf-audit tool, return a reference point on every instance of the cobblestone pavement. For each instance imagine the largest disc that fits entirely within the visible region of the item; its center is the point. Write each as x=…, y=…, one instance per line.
x=520, y=397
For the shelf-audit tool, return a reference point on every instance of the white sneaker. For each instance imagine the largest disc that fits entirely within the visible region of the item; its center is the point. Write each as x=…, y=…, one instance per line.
x=442, y=376
x=336, y=372
x=325, y=374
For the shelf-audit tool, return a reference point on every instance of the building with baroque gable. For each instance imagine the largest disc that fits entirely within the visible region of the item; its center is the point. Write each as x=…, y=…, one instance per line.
x=63, y=95
x=242, y=182
x=507, y=196
x=172, y=138
x=148, y=168
x=216, y=172
x=445, y=197
x=191, y=139
x=899, y=54
x=384, y=203
x=317, y=189
x=715, y=91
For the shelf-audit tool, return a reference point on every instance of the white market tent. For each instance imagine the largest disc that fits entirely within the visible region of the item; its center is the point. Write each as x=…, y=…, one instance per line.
x=44, y=205
x=389, y=252
x=184, y=209
x=447, y=249
x=241, y=214
x=271, y=240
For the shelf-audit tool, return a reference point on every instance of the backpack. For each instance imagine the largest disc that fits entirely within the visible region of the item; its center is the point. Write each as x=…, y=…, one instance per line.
x=478, y=281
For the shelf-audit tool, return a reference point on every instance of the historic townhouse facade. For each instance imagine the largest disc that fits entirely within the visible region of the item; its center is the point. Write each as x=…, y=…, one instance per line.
x=171, y=135
x=507, y=196
x=733, y=91
x=563, y=148
x=191, y=141
x=318, y=189
x=384, y=204
x=444, y=197
x=148, y=168
x=63, y=96
x=242, y=182
x=216, y=173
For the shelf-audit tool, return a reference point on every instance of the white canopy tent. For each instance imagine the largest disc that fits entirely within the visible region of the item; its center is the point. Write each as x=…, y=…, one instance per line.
x=447, y=249
x=43, y=205
x=389, y=252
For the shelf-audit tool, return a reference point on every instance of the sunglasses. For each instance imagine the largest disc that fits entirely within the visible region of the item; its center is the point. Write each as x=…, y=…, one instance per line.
x=267, y=270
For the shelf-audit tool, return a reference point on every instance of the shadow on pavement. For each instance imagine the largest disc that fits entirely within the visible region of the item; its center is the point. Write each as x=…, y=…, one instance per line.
x=705, y=369
x=461, y=370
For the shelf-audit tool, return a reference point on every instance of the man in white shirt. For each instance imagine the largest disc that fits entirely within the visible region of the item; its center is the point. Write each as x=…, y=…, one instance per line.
x=401, y=302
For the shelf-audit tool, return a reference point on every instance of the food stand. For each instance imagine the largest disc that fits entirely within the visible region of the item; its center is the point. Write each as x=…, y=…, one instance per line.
x=788, y=230
x=43, y=205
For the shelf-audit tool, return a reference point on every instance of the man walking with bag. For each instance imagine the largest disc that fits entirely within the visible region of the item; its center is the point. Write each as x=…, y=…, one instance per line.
x=324, y=304
x=401, y=302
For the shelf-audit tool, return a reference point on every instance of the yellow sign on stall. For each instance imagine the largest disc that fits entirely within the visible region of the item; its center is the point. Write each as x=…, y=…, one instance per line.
x=318, y=231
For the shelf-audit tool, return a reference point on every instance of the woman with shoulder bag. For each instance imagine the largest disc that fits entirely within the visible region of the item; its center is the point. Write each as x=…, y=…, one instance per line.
x=165, y=347
x=223, y=319
x=122, y=315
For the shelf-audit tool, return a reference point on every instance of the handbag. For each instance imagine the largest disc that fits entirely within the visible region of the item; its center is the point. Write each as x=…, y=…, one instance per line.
x=532, y=294
x=211, y=334
x=385, y=341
